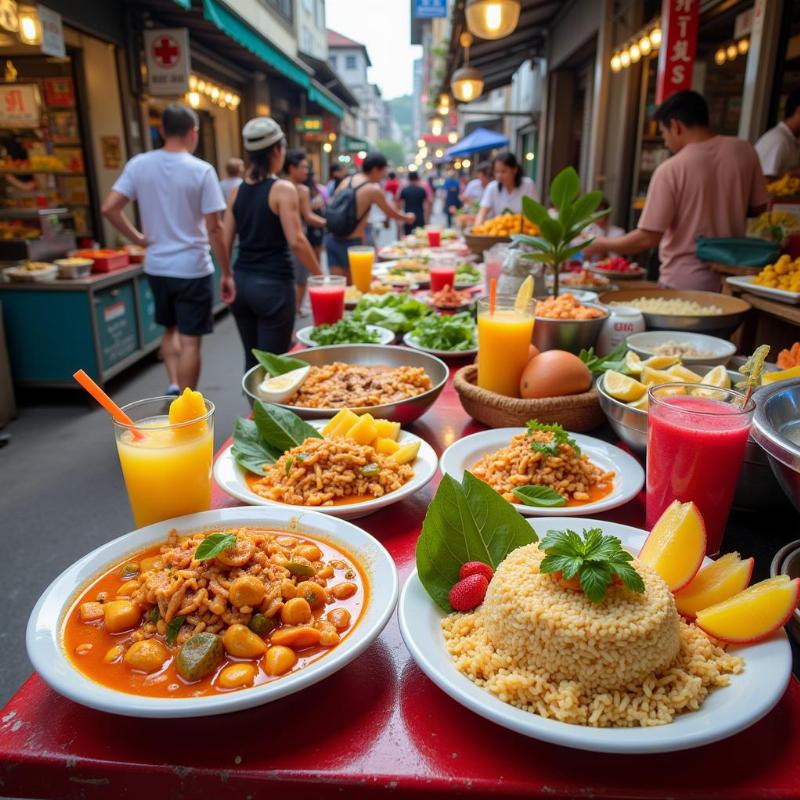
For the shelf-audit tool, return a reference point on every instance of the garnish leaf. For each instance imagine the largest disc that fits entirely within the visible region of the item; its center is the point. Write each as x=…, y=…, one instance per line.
x=614, y=360
x=249, y=449
x=752, y=369
x=213, y=545
x=466, y=521
x=560, y=436
x=277, y=365
x=280, y=428
x=539, y=496
x=173, y=629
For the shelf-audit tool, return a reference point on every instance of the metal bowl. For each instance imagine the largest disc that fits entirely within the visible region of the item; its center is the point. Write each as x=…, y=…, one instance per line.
x=787, y=562
x=404, y=411
x=643, y=344
x=723, y=325
x=572, y=335
x=777, y=418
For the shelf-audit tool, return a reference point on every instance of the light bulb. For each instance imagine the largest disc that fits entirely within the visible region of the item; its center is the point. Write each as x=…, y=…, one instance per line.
x=327, y=147
x=636, y=53
x=720, y=57
x=655, y=37
x=743, y=45
x=616, y=63
x=466, y=163
x=645, y=45
x=732, y=52
x=529, y=156
x=625, y=58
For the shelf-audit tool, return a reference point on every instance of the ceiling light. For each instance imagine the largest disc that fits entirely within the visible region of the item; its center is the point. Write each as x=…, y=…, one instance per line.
x=492, y=19
x=467, y=84
x=30, y=25
x=732, y=52
x=655, y=37
x=625, y=58
x=743, y=45
x=616, y=64
x=193, y=99
x=636, y=53
x=719, y=57
x=645, y=45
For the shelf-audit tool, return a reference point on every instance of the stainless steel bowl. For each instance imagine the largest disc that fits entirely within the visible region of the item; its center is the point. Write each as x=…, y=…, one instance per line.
x=572, y=335
x=404, y=411
x=777, y=417
x=787, y=562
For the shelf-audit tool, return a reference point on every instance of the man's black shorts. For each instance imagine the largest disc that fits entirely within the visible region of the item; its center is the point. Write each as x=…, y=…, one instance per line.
x=184, y=302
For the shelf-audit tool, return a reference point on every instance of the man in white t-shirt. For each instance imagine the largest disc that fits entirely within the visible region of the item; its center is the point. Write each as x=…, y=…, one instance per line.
x=473, y=191
x=180, y=204
x=778, y=149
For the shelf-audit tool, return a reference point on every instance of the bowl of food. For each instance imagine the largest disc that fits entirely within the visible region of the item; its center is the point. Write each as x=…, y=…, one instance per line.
x=32, y=272
x=73, y=267
x=390, y=382
x=618, y=267
x=683, y=310
x=581, y=279
x=693, y=348
x=565, y=323
x=344, y=331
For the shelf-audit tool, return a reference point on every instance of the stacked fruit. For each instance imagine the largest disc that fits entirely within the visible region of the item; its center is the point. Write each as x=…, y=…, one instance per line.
x=380, y=434
x=783, y=274
x=785, y=186
x=505, y=225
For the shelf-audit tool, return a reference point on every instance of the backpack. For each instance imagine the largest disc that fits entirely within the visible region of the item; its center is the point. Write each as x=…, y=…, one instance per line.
x=341, y=214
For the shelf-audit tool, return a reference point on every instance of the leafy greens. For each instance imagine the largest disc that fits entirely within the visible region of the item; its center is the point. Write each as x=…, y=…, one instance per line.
x=453, y=333
x=614, y=360
x=542, y=496
x=560, y=436
x=213, y=545
x=345, y=331
x=398, y=312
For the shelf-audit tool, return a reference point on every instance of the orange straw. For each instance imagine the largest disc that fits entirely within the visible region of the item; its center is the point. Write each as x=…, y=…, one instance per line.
x=106, y=402
x=492, y=294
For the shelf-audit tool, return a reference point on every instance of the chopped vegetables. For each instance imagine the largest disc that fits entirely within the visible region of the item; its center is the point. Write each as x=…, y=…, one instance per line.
x=345, y=331
x=398, y=312
x=453, y=333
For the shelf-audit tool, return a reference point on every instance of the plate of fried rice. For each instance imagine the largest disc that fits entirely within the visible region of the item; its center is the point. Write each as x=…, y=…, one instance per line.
x=625, y=675
x=328, y=477
x=595, y=477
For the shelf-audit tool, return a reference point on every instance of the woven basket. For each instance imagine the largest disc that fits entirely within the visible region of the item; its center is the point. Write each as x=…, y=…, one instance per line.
x=576, y=412
x=477, y=244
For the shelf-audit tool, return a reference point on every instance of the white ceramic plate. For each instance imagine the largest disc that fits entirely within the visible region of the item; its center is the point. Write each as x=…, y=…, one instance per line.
x=628, y=480
x=231, y=479
x=781, y=295
x=726, y=711
x=410, y=340
x=304, y=335
x=643, y=344
x=43, y=637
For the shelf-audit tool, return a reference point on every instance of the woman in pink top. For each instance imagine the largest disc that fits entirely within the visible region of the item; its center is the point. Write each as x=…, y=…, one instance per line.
x=708, y=188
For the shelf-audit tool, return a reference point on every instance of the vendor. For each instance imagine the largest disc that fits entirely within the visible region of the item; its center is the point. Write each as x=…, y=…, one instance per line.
x=778, y=149
x=708, y=188
x=507, y=189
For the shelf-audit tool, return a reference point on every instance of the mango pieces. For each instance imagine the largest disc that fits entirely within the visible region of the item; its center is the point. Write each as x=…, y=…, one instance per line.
x=382, y=434
x=340, y=424
x=187, y=407
x=720, y=580
x=406, y=453
x=388, y=429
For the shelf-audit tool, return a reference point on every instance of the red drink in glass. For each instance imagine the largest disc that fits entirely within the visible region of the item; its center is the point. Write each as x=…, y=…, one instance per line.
x=434, y=237
x=695, y=449
x=326, y=293
x=442, y=275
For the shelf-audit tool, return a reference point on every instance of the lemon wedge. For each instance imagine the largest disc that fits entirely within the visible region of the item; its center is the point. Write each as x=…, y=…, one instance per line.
x=633, y=363
x=282, y=387
x=717, y=377
x=623, y=387
x=661, y=362
x=524, y=294
x=650, y=376
x=684, y=375
x=641, y=404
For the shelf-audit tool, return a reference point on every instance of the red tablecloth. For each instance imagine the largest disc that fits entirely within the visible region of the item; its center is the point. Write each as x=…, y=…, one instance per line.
x=377, y=724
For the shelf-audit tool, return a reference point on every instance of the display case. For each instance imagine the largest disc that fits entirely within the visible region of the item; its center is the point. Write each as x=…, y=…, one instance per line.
x=35, y=234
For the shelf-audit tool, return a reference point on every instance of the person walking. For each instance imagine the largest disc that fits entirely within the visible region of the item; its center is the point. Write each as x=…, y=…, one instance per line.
x=336, y=174
x=415, y=202
x=452, y=195
x=234, y=170
x=708, y=187
x=180, y=205
x=264, y=211
x=779, y=149
x=506, y=190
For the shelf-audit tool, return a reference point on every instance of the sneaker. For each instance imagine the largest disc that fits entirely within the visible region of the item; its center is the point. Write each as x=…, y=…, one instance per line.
x=172, y=390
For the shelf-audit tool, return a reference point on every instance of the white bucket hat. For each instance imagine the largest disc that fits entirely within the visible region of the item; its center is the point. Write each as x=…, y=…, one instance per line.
x=261, y=133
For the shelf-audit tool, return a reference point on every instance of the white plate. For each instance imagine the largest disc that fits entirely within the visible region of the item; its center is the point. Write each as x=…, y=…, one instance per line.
x=411, y=341
x=643, y=344
x=231, y=479
x=628, y=480
x=304, y=335
x=781, y=295
x=726, y=711
x=43, y=638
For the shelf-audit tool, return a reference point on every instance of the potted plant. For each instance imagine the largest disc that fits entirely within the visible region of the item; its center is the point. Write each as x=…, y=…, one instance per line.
x=555, y=242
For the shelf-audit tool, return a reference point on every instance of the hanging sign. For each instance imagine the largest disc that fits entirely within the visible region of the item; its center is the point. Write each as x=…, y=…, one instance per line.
x=52, y=33
x=308, y=124
x=168, y=62
x=19, y=105
x=679, y=21
x=430, y=9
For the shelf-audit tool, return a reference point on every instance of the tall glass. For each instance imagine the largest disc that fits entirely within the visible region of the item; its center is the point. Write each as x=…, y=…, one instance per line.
x=492, y=267
x=504, y=339
x=696, y=438
x=434, y=237
x=167, y=468
x=442, y=272
x=361, y=258
x=326, y=293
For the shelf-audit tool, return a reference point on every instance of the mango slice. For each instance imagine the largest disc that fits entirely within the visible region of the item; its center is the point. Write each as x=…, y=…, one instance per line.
x=406, y=453
x=388, y=429
x=386, y=446
x=727, y=576
x=365, y=431
x=187, y=407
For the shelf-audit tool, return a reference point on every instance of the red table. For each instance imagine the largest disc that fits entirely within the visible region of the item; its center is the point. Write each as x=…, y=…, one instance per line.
x=377, y=725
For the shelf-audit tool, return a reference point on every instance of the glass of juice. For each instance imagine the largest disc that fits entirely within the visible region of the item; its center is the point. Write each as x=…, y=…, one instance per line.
x=326, y=293
x=167, y=468
x=443, y=274
x=504, y=339
x=434, y=237
x=696, y=438
x=361, y=258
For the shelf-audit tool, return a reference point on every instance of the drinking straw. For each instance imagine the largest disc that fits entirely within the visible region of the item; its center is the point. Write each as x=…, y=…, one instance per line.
x=106, y=402
x=492, y=294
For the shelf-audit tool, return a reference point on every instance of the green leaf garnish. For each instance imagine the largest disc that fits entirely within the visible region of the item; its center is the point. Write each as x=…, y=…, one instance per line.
x=598, y=365
x=560, y=436
x=466, y=521
x=277, y=365
x=752, y=369
x=213, y=545
x=280, y=428
x=539, y=496
x=249, y=448
x=173, y=629
x=594, y=558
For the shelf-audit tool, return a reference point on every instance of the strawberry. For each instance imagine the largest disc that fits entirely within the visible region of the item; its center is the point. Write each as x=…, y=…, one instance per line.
x=476, y=568
x=468, y=593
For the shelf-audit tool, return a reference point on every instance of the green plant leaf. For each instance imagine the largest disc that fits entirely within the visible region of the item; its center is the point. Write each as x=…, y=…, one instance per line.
x=249, y=449
x=277, y=365
x=531, y=241
x=534, y=210
x=280, y=428
x=465, y=522
x=568, y=252
x=545, y=258
x=564, y=187
x=173, y=629
x=535, y=495
x=213, y=545
x=586, y=205
x=552, y=231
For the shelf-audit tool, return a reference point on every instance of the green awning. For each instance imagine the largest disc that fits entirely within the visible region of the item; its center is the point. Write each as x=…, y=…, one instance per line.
x=251, y=40
x=322, y=100
x=186, y=5
x=354, y=143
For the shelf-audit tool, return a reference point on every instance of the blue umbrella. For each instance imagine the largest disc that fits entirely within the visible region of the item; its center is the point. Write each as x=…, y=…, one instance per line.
x=479, y=139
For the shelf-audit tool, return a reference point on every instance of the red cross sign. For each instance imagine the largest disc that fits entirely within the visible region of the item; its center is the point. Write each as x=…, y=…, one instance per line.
x=166, y=52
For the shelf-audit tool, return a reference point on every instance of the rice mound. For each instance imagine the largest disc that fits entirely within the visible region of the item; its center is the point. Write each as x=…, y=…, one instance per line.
x=627, y=661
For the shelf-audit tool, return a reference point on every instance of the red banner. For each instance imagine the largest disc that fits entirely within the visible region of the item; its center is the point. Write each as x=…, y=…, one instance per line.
x=679, y=21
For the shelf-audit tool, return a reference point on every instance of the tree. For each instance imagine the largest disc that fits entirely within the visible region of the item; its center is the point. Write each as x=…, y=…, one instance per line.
x=394, y=151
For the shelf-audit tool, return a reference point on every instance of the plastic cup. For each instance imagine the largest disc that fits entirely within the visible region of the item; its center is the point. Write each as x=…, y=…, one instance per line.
x=326, y=293
x=361, y=258
x=434, y=237
x=442, y=275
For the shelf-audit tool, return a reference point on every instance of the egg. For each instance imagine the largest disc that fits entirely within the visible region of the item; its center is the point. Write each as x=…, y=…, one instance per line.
x=554, y=373
x=282, y=387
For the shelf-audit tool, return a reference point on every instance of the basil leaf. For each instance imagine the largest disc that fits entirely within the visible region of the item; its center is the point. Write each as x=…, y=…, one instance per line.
x=249, y=449
x=539, y=496
x=213, y=545
x=173, y=629
x=277, y=365
x=465, y=522
x=595, y=579
x=280, y=428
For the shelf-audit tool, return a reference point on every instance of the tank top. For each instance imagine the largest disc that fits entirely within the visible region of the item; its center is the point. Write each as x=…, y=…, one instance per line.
x=262, y=242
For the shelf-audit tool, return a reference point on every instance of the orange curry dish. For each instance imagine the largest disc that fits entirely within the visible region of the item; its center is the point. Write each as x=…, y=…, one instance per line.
x=214, y=612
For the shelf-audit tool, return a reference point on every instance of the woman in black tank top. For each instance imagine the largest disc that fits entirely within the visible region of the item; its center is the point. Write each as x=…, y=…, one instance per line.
x=264, y=213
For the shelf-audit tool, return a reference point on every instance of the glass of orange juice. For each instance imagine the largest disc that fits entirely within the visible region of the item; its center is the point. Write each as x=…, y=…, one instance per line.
x=504, y=338
x=361, y=258
x=167, y=467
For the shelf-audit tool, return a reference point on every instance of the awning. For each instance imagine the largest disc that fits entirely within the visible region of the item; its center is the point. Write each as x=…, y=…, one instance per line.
x=330, y=80
x=319, y=95
x=479, y=139
x=353, y=143
x=186, y=5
